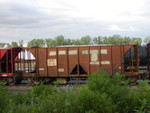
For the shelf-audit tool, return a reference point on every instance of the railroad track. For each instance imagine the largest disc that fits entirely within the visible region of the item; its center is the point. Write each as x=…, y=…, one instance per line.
x=24, y=87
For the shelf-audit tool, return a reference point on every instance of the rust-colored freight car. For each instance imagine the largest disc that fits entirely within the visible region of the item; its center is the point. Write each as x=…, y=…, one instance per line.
x=78, y=61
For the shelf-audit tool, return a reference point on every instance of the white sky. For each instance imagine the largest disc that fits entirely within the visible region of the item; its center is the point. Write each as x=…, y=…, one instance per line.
x=28, y=19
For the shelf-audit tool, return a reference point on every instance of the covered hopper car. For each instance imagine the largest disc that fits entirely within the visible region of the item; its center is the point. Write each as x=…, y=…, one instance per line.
x=65, y=63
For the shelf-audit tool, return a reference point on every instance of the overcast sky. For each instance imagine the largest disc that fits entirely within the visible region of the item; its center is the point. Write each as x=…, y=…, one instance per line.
x=28, y=19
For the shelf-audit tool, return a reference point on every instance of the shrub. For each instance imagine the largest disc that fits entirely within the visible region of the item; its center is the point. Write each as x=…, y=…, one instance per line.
x=4, y=99
x=88, y=100
x=101, y=94
x=142, y=98
x=112, y=87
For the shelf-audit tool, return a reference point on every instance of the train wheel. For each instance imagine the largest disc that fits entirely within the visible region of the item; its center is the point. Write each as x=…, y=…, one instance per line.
x=11, y=81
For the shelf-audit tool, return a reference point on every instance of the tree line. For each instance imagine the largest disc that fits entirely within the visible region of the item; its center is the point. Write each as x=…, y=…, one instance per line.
x=85, y=40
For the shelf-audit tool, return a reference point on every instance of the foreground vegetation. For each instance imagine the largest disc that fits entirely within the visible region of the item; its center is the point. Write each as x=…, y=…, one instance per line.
x=101, y=94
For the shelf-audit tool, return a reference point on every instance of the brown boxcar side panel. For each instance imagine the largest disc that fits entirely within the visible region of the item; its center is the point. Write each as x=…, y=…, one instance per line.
x=122, y=60
x=52, y=62
x=84, y=61
x=73, y=61
x=94, y=58
x=42, y=66
x=106, y=58
x=62, y=62
x=116, y=58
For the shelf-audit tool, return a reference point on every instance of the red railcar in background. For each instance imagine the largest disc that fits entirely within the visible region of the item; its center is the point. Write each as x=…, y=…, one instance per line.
x=7, y=64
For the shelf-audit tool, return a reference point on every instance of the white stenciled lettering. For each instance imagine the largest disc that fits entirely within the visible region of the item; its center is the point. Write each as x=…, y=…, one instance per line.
x=51, y=62
x=41, y=69
x=105, y=62
x=61, y=70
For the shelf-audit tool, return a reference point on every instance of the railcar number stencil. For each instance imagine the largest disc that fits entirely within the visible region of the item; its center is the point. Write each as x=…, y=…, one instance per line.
x=52, y=62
